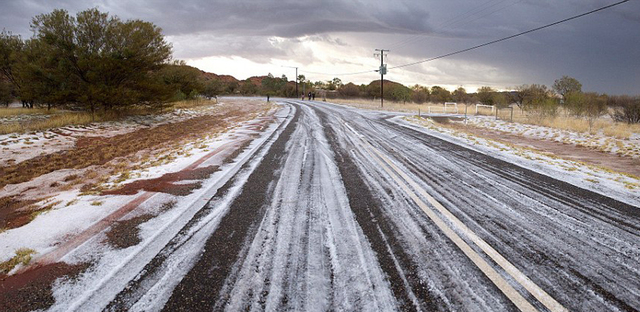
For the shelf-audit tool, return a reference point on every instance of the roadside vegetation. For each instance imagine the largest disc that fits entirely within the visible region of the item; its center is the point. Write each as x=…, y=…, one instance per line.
x=91, y=67
x=564, y=106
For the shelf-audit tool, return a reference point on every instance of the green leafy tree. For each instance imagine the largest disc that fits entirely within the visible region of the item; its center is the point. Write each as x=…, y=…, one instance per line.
x=460, y=95
x=95, y=60
x=595, y=106
x=212, y=88
x=589, y=106
x=5, y=93
x=486, y=95
x=574, y=102
x=440, y=94
x=420, y=94
x=230, y=87
x=566, y=85
x=500, y=99
x=11, y=52
x=539, y=102
x=182, y=79
x=248, y=88
x=400, y=93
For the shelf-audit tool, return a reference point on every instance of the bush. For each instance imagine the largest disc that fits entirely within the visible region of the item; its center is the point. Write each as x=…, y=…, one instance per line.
x=629, y=112
x=349, y=90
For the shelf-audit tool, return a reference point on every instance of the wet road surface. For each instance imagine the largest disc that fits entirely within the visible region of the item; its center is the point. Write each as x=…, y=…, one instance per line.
x=348, y=210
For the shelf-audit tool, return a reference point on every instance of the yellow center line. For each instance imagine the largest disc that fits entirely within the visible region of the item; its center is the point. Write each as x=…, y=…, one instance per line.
x=400, y=177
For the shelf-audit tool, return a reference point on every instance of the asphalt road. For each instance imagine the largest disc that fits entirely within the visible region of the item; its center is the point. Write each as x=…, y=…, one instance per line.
x=350, y=211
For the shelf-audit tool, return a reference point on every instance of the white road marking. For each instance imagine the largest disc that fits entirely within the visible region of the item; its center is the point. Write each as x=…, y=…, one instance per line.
x=491, y=273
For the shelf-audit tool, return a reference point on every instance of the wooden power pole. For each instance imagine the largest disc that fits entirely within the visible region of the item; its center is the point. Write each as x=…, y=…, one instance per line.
x=383, y=71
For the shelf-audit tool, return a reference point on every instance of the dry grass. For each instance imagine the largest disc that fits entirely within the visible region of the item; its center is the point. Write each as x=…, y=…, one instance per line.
x=16, y=111
x=56, y=118
x=54, y=121
x=562, y=121
x=23, y=256
x=193, y=103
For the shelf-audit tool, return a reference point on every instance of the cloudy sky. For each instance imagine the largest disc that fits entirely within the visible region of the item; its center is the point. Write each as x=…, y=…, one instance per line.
x=328, y=38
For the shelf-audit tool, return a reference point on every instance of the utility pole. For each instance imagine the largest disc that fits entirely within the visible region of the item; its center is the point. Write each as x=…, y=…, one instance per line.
x=297, y=94
x=383, y=71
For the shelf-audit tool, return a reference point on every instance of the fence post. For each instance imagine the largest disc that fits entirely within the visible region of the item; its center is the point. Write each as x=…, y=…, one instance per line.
x=465, y=113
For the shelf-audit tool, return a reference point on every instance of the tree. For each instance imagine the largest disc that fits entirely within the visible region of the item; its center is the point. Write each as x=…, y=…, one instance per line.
x=230, y=87
x=349, y=90
x=574, y=102
x=440, y=94
x=182, y=79
x=211, y=88
x=539, y=102
x=485, y=95
x=95, y=60
x=565, y=85
x=400, y=93
x=274, y=85
x=500, y=100
x=628, y=111
x=460, y=95
x=519, y=94
x=248, y=88
x=5, y=93
x=595, y=105
x=334, y=84
x=11, y=50
x=420, y=94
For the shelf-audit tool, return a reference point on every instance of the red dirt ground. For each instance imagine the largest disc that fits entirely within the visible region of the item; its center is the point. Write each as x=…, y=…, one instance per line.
x=31, y=290
x=167, y=183
x=583, y=154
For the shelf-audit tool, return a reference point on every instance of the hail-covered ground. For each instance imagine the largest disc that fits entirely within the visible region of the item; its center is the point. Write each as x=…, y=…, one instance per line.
x=319, y=207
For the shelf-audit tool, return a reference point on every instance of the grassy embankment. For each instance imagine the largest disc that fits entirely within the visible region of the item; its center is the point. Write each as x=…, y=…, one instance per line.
x=21, y=120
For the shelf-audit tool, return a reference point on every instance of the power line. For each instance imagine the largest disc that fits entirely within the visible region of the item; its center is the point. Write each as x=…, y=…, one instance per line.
x=339, y=74
x=512, y=36
x=467, y=14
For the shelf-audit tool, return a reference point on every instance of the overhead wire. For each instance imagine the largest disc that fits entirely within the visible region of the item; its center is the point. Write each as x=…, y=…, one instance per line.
x=470, y=12
x=512, y=36
x=339, y=74
x=480, y=45
x=467, y=14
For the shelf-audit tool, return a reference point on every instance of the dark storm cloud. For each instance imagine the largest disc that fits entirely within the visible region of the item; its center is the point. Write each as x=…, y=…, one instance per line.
x=601, y=50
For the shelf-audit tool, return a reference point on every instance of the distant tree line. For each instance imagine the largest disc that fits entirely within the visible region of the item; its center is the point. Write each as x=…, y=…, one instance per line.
x=537, y=100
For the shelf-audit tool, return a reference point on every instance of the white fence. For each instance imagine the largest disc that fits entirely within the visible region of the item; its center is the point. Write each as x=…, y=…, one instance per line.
x=488, y=106
x=444, y=108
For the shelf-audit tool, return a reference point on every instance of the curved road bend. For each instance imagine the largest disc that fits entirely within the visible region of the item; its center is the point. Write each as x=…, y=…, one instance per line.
x=349, y=211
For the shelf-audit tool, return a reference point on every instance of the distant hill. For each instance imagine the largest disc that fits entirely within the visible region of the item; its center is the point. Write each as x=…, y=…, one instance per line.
x=223, y=78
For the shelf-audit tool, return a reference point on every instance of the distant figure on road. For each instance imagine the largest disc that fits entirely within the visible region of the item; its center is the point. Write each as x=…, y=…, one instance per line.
x=267, y=98
x=309, y=98
x=303, y=96
x=313, y=96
